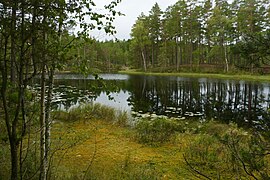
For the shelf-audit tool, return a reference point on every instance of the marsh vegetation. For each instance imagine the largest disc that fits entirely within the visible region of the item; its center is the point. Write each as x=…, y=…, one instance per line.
x=98, y=142
x=163, y=127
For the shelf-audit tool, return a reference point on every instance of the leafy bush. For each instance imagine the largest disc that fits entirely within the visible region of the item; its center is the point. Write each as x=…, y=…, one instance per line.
x=250, y=152
x=214, y=128
x=155, y=131
x=205, y=156
x=232, y=153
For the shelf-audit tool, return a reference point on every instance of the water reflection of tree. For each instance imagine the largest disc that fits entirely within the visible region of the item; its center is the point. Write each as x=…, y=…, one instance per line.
x=246, y=104
x=72, y=92
x=229, y=101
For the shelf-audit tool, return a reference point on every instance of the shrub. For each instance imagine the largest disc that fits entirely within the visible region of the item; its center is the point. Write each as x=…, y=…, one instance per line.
x=249, y=152
x=205, y=157
x=214, y=128
x=155, y=131
x=232, y=153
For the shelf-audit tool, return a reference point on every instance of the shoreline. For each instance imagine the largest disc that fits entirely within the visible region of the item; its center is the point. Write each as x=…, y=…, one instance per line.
x=249, y=77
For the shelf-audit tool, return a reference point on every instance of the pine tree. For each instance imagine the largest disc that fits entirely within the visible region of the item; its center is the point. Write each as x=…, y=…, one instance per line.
x=155, y=32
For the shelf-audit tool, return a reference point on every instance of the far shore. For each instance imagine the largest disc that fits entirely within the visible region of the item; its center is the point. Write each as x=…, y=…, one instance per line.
x=250, y=77
x=241, y=76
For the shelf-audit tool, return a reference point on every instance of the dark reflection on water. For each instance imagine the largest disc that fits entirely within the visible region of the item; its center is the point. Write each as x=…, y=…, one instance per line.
x=71, y=90
x=245, y=103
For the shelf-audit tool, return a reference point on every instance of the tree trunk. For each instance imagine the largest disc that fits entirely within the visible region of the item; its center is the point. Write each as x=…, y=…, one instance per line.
x=43, y=150
x=42, y=126
x=14, y=159
x=226, y=58
x=48, y=120
x=177, y=54
x=153, y=54
x=144, y=60
x=181, y=51
x=13, y=39
x=9, y=125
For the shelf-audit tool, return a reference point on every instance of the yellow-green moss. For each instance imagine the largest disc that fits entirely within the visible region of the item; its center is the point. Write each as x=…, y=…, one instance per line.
x=111, y=150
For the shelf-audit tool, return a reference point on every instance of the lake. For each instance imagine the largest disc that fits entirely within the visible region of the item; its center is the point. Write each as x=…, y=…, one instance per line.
x=246, y=103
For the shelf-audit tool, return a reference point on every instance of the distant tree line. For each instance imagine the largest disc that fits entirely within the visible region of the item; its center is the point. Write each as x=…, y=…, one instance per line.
x=192, y=35
x=203, y=33
x=89, y=55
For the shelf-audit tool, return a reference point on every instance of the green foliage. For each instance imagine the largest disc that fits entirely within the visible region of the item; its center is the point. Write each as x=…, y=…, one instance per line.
x=206, y=155
x=253, y=50
x=93, y=111
x=229, y=152
x=197, y=33
x=190, y=34
x=88, y=56
x=155, y=131
x=86, y=111
x=215, y=129
x=35, y=39
x=4, y=161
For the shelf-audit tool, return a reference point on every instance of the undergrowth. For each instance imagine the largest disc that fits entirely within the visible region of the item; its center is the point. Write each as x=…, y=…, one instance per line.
x=93, y=111
x=204, y=150
x=96, y=142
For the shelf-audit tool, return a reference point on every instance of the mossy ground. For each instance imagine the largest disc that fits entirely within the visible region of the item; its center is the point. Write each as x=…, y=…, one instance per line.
x=93, y=142
x=108, y=151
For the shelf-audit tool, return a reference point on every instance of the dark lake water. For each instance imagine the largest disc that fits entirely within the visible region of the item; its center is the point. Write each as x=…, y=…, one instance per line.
x=243, y=102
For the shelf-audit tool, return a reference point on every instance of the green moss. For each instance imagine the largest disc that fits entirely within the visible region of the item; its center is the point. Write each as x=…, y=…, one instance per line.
x=94, y=147
x=110, y=151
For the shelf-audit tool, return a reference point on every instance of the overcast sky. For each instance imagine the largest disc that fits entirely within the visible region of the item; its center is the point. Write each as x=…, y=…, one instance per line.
x=132, y=9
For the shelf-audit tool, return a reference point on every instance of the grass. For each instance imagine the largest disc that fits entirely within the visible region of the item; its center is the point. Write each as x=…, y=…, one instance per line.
x=91, y=148
x=90, y=111
x=241, y=76
x=96, y=148
x=113, y=153
x=95, y=142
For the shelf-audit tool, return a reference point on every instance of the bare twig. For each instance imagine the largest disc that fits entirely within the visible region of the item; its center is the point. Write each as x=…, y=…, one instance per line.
x=195, y=170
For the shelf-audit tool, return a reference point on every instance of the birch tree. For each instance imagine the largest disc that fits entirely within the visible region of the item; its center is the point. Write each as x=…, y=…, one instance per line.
x=30, y=38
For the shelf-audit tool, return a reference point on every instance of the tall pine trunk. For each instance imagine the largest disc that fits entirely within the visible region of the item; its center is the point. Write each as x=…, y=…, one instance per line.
x=42, y=126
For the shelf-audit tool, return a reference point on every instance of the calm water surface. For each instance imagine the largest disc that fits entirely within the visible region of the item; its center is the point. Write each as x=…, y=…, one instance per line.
x=244, y=102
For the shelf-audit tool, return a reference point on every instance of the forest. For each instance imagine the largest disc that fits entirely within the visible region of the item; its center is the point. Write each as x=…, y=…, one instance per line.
x=191, y=36
x=36, y=42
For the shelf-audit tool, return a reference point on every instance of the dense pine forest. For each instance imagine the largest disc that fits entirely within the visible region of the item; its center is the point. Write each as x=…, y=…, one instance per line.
x=196, y=36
